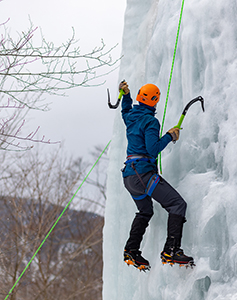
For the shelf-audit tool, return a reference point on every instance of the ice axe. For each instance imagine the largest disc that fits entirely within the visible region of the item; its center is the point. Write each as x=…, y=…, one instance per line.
x=121, y=93
x=199, y=98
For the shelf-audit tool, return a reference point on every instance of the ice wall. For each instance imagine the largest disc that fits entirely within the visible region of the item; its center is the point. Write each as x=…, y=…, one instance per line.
x=201, y=165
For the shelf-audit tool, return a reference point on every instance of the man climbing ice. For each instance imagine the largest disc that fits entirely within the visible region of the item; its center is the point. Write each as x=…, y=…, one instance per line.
x=143, y=182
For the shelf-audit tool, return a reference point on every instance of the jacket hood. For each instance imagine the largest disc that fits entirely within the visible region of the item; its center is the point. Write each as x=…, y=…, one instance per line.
x=139, y=111
x=147, y=106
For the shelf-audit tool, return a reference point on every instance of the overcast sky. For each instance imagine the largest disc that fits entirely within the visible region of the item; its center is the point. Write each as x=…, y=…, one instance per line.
x=83, y=119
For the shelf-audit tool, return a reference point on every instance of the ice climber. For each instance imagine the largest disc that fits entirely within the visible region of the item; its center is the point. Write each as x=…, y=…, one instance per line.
x=142, y=180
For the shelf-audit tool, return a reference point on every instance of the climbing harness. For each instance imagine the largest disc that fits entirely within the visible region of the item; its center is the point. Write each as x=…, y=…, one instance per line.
x=151, y=185
x=132, y=158
x=153, y=181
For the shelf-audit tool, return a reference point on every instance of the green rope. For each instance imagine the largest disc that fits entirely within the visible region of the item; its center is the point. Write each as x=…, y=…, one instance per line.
x=56, y=222
x=171, y=73
x=176, y=42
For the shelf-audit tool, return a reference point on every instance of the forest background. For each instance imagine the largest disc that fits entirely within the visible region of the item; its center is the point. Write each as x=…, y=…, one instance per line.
x=48, y=142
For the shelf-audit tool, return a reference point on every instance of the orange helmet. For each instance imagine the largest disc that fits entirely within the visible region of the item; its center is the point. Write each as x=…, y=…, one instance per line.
x=149, y=94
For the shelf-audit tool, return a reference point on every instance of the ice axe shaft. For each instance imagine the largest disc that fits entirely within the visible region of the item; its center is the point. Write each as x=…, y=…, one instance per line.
x=199, y=98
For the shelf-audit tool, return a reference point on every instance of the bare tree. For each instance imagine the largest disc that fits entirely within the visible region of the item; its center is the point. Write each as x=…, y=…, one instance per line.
x=99, y=177
x=69, y=265
x=29, y=71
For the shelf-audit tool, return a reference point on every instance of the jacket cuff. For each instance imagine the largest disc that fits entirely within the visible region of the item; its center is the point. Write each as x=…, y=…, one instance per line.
x=127, y=95
x=170, y=136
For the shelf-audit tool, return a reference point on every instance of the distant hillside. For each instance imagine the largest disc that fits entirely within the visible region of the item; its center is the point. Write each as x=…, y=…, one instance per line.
x=69, y=265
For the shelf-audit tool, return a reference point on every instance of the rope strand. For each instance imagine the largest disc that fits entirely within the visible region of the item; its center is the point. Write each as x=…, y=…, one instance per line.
x=171, y=73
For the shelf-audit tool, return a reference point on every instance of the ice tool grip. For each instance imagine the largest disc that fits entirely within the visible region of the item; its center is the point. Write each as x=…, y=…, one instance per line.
x=199, y=98
x=180, y=122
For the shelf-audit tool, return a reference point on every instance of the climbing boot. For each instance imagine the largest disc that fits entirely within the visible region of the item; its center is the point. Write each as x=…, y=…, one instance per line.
x=172, y=253
x=176, y=256
x=134, y=258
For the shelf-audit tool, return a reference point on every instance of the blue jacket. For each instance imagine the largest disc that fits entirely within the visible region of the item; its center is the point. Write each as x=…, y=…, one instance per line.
x=143, y=135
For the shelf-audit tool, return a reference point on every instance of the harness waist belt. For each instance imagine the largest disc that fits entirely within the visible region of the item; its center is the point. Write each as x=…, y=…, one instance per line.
x=139, y=157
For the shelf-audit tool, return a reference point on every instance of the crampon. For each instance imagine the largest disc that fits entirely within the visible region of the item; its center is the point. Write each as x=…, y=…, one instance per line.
x=168, y=259
x=137, y=261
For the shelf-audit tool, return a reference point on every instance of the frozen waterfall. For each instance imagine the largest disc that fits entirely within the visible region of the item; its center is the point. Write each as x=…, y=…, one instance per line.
x=201, y=165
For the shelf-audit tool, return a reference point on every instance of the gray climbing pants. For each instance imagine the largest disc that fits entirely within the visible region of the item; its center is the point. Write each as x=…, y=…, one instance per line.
x=163, y=193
